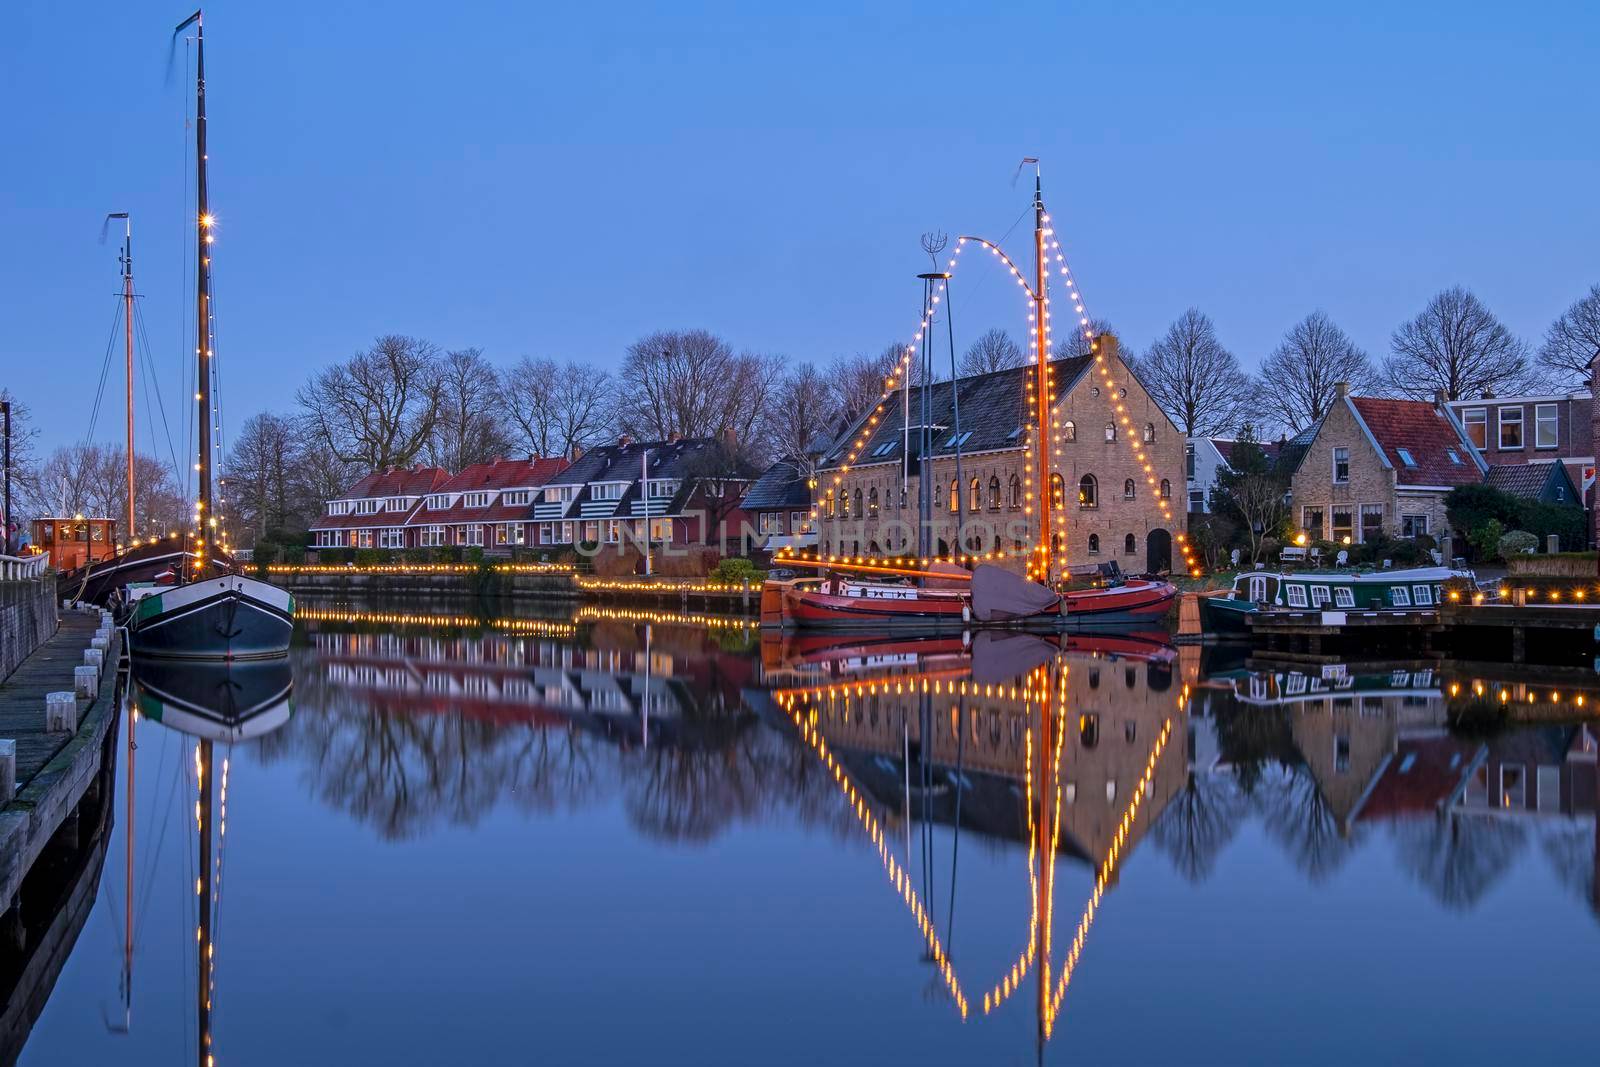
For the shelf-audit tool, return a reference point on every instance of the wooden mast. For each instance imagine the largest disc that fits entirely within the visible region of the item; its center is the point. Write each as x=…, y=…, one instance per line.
x=1042, y=386
x=127, y=334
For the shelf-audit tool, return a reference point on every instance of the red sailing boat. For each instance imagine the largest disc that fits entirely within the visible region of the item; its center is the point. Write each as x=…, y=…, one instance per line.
x=879, y=594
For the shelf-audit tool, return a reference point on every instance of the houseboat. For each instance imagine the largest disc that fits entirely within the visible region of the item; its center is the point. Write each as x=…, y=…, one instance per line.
x=1416, y=589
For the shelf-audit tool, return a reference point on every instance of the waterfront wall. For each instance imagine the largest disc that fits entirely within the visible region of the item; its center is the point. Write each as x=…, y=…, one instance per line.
x=28, y=617
x=1562, y=565
x=356, y=583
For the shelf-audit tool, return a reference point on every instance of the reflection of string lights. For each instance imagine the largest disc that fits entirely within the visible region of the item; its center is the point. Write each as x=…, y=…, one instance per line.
x=537, y=627
x=417, y=568
x=665, y=618
x=897, y=874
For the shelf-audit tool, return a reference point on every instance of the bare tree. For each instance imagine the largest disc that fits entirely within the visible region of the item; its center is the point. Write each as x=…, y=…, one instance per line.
x=320, y=475
x=1195, y=380
x=799, y=414
x=993, y=351
x=1253, y=490
x=92, y=479
x=379, y=408
x=259, y=474
x=1074, y=344
x=557, y=408
x=1573, y=341
x=858, y=381
x=468, y=429
x=1300, y=374
x=1456, y=345
x=690, y=382
x=27, y=494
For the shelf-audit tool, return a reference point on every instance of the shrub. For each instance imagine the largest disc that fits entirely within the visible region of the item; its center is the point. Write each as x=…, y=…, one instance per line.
x=266, y=552
x=736, y=569
x=294, y=554
x=474, y=554
x=1516, y=542
x=335, y=555
x=366, y=557
x=1485, y=540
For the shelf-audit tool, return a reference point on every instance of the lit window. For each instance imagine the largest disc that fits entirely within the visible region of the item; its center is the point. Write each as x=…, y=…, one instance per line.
x=1476, y=423
x=1510, y=427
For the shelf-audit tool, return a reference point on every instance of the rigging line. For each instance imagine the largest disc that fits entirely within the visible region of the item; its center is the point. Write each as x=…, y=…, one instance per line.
x=185, y=248
x=105, y=371
x=153, y=861
x=155, y=386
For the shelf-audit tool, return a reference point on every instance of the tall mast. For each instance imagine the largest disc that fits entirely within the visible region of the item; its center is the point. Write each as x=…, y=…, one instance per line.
x=127, y=334
x=204, y=518
x=1042, y=384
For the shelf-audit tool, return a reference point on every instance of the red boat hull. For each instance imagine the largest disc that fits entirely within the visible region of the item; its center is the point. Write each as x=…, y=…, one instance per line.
x=809, y=604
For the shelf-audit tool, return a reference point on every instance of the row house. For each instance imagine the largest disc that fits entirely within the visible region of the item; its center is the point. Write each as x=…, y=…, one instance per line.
x=486, y=506
x=374, y=512
x=779, y=504
x=1532, y=429
x=1106, y=504
x=679, y=491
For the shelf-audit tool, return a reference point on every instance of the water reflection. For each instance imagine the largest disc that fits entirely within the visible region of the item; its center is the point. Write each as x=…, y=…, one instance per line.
x=998, y=793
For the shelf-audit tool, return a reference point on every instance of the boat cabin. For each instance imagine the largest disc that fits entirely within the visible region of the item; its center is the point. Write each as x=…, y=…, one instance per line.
x=1383, y=590
x=73, y=541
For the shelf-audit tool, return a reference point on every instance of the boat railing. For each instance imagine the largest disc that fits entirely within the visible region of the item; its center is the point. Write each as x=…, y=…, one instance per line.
x=22, y=568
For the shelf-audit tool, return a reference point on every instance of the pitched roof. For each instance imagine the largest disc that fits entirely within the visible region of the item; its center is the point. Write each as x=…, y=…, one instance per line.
x=780, y=487
x=1417, y=429
x=401, y=481
x=1529, y=480
x=991, y=414
x=505, y=474
x=1224, y=447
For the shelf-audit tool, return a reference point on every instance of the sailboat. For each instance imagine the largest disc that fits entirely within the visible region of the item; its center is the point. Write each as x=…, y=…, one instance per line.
x=229, y=617
x=877, y=594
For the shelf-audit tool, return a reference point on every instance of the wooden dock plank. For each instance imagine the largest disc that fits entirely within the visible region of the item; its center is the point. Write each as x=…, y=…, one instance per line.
x=48, y=670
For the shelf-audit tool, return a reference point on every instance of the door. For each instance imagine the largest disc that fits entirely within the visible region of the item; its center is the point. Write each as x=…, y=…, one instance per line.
x=1258, y=589
x=1158, y=551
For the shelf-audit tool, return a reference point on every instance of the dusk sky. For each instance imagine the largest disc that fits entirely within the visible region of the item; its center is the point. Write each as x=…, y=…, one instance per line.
x=558, y=181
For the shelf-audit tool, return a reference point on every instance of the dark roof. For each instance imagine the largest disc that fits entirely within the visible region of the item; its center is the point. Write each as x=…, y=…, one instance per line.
x=780, y=487
x=1270, y=449
x=1530, y=480
x=1426, y=435
x=992, y=412
x=624, y=462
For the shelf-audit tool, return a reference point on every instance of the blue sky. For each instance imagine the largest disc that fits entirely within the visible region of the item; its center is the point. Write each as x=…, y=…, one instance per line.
x=558, y=181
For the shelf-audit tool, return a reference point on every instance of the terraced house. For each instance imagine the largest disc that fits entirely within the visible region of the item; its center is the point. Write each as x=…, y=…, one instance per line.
x=374, y=512
x=486, y=506
x=1106, y=509
x=680, y=491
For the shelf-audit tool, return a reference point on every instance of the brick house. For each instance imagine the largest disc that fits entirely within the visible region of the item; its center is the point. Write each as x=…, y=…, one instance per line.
x=1381, y=466
x=687, y=489
x=1106, y=509
x=779, y=505
x=374, y=512
x=1532, y=429
x=486, y=506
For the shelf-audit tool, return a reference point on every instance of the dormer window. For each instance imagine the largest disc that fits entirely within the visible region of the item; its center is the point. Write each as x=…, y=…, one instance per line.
x=608, y=491
x=438, y=502
x=475, y=500
x=516, y=496
x=366, y=507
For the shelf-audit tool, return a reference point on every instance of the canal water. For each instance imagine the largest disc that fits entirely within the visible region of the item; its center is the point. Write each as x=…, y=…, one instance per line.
x=631, y=837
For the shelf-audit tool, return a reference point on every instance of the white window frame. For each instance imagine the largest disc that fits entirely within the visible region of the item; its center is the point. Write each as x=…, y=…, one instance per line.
x=1422, y=595
x=1479, y=418
x=1504, y=421
x=1320, y=596
x=1542, y=412
x=1344, y=596
x=1295, y=595
x=1400, y=596
x=1336, y=454
x=475, y=533
x=1362, y=511
x=1416, y=521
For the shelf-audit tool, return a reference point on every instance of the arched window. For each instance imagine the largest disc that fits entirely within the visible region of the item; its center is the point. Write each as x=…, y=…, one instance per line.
x=872, y=502
x=832, y=506
x=1089, y=728
x=976, y=496
x=938, y=497
x=1111, y=431
x=1149, y=432
x=994, y=492
x=1069, y=431
x=1129, y=545
x=1166, y=489
x=1016, y=491
x=902, y=498
x=844, y=504
x=1094, y=544
x=859, y=513
x=1128, y=489
x=1058, y=491
x=1088, y=492
x=955, y=495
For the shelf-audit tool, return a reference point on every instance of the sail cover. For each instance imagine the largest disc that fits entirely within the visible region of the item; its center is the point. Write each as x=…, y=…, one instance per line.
x=998, y=595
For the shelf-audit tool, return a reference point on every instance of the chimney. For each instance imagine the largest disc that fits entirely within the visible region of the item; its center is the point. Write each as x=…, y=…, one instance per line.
x=577, y=453
x=1106, y=345
x=625, y=440
x=1341, y=390
x=730, y=438
x=674, y=437
x=1440, y=399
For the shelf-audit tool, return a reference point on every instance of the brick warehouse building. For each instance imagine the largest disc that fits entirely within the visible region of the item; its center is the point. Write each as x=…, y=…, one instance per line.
x=1111, y=512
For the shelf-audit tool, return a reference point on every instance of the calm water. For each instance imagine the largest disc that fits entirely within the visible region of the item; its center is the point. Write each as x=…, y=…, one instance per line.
x=613, y=840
